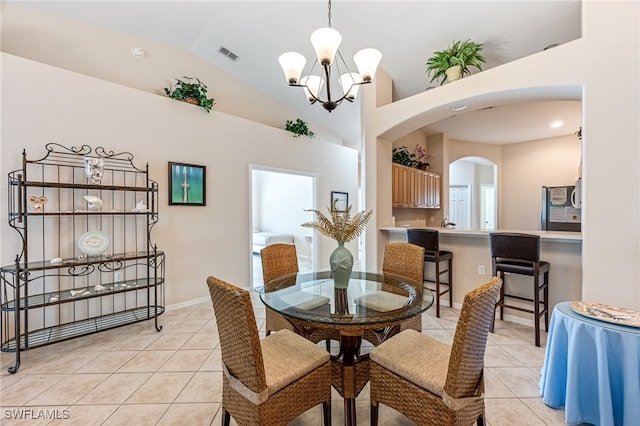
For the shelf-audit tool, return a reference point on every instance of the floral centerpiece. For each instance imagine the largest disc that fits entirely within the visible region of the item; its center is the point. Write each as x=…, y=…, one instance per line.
x=342, y=227
x=423, y=156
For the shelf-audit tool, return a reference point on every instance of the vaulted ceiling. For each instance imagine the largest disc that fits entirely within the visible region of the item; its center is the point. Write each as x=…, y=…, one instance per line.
x=406, y=32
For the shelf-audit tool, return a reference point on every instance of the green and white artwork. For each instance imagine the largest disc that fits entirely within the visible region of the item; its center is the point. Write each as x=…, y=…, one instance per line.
x=187, y=184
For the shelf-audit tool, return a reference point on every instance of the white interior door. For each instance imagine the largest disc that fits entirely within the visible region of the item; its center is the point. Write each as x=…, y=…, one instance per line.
x=487, y=207
x=460, y=206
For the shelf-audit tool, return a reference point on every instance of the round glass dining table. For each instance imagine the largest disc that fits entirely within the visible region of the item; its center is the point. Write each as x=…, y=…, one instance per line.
x=373, y=303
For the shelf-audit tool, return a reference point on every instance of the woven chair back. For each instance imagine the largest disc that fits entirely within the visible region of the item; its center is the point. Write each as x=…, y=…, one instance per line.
x=470, y=340
x=404, y=259
x=278, y=260
x=239, y=339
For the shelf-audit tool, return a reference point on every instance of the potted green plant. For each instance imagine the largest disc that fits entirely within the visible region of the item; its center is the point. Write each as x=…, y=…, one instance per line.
x=455, y=59
x=298, y=127
x=190, y=90
x=401, y=155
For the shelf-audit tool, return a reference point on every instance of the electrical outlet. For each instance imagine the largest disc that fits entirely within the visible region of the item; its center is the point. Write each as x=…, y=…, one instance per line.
x=481, y=270
x=117, y=276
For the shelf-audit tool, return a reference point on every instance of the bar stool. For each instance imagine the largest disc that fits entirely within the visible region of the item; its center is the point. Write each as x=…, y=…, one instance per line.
x=430, y=240
x=517, y=253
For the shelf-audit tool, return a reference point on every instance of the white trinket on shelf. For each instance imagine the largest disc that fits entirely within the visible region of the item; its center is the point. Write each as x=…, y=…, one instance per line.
x=140, y=207
x=93, y=202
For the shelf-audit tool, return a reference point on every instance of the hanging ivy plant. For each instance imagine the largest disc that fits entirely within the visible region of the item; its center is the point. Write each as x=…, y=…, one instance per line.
x=190, y=90
x=298, y=128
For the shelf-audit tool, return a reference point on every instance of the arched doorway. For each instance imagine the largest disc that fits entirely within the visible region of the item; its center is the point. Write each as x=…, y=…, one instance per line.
x=473, y=201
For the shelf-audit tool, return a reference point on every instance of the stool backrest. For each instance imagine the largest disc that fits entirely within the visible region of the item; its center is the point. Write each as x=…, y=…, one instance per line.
x=511, y=245
x=427, y=238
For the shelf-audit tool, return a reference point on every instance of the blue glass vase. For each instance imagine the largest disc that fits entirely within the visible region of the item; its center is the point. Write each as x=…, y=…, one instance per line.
x=341, y=262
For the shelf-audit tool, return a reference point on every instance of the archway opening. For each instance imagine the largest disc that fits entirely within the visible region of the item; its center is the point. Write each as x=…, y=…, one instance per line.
x=473, y=199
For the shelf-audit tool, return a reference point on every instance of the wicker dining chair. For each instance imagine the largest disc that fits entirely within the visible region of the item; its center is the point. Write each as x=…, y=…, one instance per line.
x=450, y=390
x=406, y=260
x=277, y=260
x=270, y=381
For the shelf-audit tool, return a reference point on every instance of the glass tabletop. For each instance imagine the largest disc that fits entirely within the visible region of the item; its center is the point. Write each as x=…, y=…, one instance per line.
x=369, y=299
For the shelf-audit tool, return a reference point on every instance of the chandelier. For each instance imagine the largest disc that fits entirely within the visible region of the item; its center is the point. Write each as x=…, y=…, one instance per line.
x=326, y=41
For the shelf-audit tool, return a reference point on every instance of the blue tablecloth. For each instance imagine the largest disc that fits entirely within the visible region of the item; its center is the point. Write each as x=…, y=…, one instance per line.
x=592, y=369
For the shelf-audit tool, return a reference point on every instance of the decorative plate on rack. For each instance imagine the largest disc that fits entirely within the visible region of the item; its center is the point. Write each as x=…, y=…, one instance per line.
x=94, y=243
x=608, y=313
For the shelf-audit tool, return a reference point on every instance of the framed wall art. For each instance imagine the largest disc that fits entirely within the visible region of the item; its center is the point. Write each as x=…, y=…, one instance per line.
x=187, y=184
x=339, y=201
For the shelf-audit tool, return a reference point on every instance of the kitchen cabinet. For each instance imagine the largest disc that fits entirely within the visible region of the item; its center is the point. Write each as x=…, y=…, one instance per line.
x=414, y=188
x=86, y=261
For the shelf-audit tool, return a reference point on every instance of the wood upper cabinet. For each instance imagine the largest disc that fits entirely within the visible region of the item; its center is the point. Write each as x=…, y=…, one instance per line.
x=415, y=188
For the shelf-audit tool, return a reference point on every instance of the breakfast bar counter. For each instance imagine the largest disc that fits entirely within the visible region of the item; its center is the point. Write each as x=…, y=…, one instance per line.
x=472, y=263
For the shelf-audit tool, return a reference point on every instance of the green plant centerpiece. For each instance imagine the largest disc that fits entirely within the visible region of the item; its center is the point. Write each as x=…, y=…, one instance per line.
x=342, y=227
x=463, y=54
x=190, y=90
x=298, y=128
x=402, y=155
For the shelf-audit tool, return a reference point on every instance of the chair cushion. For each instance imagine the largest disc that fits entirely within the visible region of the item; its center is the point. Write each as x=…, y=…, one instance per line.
x=381, y=301
x=519, y=266
x=416, y=357
x=287, y=357
x=304, y=300
x=431, y=256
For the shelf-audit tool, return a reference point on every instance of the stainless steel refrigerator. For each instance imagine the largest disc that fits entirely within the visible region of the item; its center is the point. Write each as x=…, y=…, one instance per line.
x=560, y=209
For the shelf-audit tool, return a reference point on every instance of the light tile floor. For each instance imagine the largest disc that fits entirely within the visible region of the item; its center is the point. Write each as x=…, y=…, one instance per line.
x=134, y=375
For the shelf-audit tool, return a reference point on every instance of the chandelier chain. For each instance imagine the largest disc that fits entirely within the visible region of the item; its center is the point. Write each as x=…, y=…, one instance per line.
x=329, y=14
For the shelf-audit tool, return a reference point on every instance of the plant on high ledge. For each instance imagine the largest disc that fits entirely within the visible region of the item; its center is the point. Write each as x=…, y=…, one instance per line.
x=190, y=90
x=299, y=127
x=461, y=54
x=423, y=157
x=401, y=155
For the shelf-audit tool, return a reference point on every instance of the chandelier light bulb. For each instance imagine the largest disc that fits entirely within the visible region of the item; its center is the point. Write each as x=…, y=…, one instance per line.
x=367, y=61
x=326, y=42
x=348, y=82
x=313, y=85
x=292, y=64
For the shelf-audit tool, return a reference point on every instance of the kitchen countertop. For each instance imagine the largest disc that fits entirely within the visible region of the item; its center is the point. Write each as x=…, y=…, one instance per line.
x=575, y=237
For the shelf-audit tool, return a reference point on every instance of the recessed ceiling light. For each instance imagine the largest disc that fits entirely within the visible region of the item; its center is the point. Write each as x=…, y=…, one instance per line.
x=556, y=124
x=459, y=107
x=137, y=52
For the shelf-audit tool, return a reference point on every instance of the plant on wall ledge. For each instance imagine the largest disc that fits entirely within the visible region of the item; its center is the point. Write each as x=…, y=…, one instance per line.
x=460, y=54
x=190, y=90
x=401, y=155
x=298, y=128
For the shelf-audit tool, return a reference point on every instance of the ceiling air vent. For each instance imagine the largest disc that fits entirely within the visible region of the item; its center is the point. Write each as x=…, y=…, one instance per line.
x=229, y=54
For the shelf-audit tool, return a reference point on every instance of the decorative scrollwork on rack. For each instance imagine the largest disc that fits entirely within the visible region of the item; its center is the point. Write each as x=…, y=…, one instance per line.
x=101, y=152
x=114, y=265
x=82, y=150
x=82, y=270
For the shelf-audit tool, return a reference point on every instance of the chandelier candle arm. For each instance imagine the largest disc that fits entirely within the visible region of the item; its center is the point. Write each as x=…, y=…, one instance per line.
x=325, y=42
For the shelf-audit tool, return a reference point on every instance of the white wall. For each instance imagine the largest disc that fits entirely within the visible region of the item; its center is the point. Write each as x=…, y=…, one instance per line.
x=42, y=104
